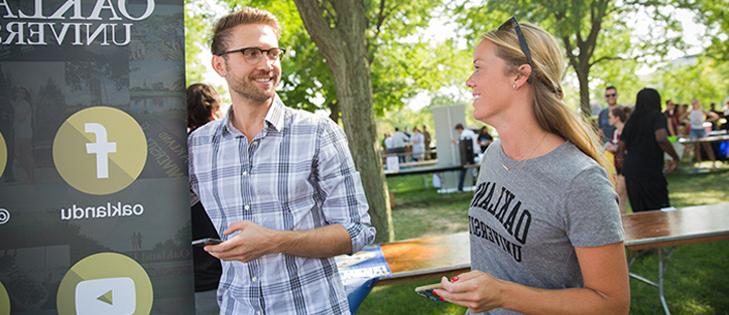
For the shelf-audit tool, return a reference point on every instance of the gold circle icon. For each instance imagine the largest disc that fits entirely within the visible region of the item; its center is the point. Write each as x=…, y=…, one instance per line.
x=105, y=283
x=100, y=150
x=3, y=156
x=4, y=298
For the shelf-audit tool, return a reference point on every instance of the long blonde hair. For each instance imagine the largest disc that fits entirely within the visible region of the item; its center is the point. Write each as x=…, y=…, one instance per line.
x=547, y=66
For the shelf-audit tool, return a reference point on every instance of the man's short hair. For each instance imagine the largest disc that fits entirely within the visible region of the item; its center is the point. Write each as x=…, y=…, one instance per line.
x=459, y=126
x=611, y=87
x=247, y=15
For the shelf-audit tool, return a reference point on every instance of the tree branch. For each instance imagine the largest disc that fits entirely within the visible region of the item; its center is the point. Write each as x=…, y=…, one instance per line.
x=570, y=55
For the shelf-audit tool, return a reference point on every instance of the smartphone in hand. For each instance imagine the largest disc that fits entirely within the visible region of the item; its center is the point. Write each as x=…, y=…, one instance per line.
x=426, y=291
x=206, y=241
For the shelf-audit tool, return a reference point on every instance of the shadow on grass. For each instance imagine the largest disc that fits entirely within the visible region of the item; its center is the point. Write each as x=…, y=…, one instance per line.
x=695, y=281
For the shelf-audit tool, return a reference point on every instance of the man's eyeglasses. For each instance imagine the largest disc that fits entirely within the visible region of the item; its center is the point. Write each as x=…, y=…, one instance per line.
x=611, y=95
x=522, y=40
x=254, y=55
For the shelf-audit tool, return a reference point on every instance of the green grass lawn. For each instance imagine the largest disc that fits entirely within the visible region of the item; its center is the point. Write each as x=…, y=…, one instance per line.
x=697, y=278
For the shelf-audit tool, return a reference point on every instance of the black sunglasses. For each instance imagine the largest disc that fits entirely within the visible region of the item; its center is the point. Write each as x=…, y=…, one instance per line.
x=522, y=40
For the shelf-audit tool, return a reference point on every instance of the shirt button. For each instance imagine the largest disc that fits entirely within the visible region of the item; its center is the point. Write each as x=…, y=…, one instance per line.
x=254, y=279
x=247, y=207
x=245, y=173
x=258, y=313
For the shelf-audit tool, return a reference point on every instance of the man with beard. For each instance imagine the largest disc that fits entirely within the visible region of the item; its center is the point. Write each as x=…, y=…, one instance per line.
x=611, y=97
x=279, y=184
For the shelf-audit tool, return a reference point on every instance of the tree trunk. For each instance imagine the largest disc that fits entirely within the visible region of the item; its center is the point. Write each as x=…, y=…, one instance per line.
x=344, y=47
x=583, y=75
x=353, y=92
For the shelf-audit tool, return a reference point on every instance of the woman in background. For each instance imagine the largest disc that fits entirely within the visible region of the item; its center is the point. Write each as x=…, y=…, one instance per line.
x=203, y=106
x=644, y=139
x=617, y=118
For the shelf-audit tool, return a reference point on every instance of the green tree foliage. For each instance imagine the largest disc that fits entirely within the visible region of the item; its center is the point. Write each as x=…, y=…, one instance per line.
x=702, y=78
x=715, y=15
x=197, y=37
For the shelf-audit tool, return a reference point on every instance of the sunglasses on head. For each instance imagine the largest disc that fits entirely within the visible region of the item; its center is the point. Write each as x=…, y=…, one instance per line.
x=522, y=40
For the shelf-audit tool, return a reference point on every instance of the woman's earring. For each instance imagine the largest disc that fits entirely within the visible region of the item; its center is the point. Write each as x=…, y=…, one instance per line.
x=513, y=85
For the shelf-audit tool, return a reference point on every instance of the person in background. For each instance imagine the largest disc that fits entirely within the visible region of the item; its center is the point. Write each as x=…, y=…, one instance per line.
x=683, y=121
x=545, y=230
x=672, y=117
x=426, y=142
x=611, y=97
x=417, y=141
x=467, y=135
x=618, y=116
x=715, y=114
x=484, y=138
x=387, y=143
x=203, y=106
x=697, y=118
x=644, y=140
x=399, y=141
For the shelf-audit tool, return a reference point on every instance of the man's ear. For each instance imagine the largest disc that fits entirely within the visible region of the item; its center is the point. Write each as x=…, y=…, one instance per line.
x=218, y=63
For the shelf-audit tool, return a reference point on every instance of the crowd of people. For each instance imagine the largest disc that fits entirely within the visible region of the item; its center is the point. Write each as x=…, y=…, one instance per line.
x=638, y=155
x=418, y=145
x=408, y=146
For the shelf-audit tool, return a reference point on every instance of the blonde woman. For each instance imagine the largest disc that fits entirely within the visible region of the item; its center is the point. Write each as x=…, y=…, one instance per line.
x=545, y=232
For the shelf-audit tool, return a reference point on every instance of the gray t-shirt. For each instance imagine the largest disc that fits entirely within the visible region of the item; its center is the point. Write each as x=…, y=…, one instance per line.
x=525, y=222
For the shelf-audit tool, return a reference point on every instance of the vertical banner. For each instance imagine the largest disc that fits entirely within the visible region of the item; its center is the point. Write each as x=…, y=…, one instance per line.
x=94, y=209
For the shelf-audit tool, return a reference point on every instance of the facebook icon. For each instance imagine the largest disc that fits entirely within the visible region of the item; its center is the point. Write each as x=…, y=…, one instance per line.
x=101, y=148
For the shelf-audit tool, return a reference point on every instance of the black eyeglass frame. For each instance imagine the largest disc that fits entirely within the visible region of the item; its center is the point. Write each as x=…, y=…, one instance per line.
x=522, y=41
x=266, y=51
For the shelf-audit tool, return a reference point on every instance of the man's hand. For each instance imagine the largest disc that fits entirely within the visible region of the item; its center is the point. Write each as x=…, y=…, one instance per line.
x=252, y=242
x=479, y=291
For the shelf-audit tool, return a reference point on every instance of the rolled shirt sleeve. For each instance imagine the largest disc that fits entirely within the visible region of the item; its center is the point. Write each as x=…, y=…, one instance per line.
x=344, y=200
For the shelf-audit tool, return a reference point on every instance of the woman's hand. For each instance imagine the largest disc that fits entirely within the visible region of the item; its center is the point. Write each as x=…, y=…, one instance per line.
x=477, y=290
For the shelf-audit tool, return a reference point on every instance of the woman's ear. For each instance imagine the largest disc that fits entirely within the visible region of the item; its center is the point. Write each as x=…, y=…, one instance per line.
x=523, y=73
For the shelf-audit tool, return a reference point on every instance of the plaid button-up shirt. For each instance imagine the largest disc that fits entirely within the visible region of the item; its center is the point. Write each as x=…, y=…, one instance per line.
x=296, y=174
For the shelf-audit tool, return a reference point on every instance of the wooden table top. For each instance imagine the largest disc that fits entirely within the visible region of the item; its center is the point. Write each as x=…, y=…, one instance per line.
x=655, y=229
x=450, y=254
x=704, y=139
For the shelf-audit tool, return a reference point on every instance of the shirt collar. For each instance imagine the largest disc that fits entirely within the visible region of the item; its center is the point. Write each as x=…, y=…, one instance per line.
x=274, y=118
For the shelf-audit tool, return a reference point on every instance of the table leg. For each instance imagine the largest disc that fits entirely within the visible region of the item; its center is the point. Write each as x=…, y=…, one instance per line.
x=663, y=255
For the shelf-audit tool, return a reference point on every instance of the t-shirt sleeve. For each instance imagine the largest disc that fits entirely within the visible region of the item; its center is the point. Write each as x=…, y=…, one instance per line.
x=592, y=216
x=660, y=122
